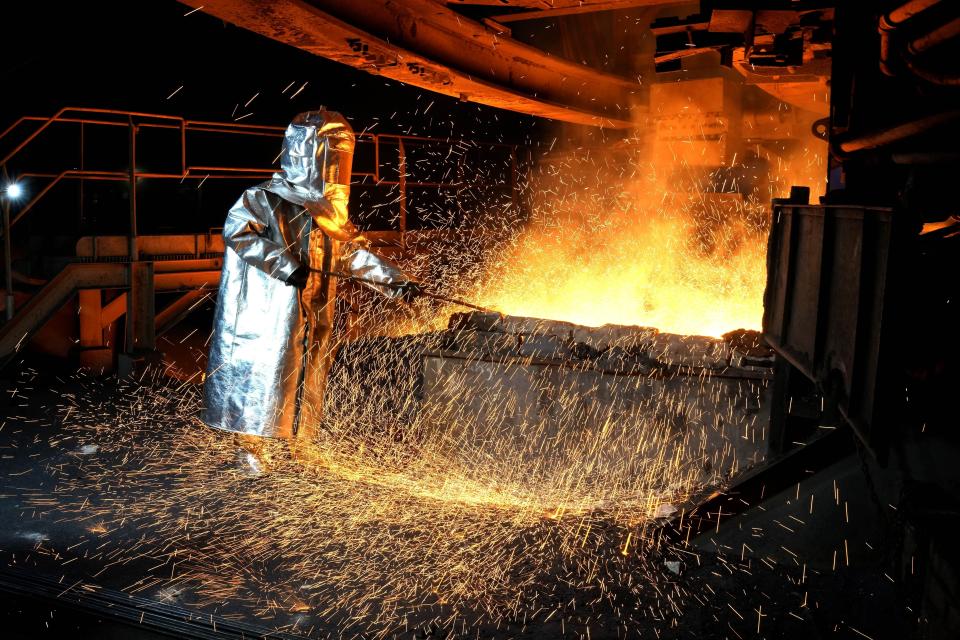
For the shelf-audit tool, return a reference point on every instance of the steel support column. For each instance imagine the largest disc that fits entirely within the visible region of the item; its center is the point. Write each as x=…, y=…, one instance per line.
x=90, y=313
x=133, y=252
x=140, y=334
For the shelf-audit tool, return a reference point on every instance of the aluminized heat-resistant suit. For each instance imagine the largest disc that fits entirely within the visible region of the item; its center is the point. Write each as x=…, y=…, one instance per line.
x=270, y=348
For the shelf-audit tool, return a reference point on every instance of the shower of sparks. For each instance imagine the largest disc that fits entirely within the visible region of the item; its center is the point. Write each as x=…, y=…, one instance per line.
x=617, y=235
x=456, y=513
x=405, y=511
x=626, y=239
x=382, y=524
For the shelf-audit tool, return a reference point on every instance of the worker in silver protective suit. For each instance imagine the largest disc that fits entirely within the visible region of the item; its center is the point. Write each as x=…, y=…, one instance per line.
x=270, y=349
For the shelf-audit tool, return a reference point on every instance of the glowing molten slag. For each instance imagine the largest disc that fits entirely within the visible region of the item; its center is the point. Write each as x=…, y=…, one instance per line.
x=639, y=249
x=652, y=275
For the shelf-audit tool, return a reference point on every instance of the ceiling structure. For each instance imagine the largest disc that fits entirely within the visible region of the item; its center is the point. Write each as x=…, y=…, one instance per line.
x=540, y=9
x=465, y=48
x=431, y=46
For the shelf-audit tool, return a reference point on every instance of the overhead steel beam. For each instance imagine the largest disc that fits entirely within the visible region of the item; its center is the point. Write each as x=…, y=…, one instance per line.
x=428, y=45
x=575, y=8
x=520, y=4
x=587, y=5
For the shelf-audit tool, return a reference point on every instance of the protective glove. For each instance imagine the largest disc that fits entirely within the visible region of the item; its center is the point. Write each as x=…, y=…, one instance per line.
x=409, y=291
x=299, y=277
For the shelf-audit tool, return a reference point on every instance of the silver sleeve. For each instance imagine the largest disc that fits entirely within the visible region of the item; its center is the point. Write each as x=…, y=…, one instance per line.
x=373, y=271
x=251, y=231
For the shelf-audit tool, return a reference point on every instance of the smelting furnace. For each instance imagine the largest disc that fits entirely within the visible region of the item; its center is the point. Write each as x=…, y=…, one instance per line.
x=480, y=318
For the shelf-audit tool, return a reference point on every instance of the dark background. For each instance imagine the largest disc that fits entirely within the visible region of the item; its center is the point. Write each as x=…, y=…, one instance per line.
x=135, y=55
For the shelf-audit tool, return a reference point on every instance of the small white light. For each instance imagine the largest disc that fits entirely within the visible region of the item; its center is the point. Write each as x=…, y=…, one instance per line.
x=14, y=190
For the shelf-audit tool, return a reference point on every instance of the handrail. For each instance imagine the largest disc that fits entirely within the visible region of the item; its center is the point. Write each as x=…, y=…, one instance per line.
x=17, y=123
x=209, y=173
x=25, y=208
x=261, y=130
x=75, y=115
x=31, y=136
x=56, y=117
x=194, y=125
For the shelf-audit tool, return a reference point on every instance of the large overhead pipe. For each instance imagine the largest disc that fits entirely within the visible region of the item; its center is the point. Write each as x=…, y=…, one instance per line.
x=935, y=38
x=890, y=23
x=924, y=43
x=900, y=132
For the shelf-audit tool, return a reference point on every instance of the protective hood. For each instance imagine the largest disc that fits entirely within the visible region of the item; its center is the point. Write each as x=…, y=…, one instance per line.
x=315, y=166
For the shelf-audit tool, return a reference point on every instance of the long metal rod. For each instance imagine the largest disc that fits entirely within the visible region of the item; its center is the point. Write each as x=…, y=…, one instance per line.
x=428, y=294
x=462, y=303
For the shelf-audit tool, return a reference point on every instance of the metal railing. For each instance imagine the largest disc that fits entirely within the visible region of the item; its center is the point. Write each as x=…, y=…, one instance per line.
x=135, y=121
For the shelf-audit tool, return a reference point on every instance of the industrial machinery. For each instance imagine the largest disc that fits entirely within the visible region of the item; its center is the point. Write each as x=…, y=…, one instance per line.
x=688, y=366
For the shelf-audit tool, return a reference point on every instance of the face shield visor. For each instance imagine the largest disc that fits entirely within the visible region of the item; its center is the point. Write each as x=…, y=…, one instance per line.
x=317, y=159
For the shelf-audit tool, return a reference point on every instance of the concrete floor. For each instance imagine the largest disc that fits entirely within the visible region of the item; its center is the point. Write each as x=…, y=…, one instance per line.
x=827, y=535
x=781, y=585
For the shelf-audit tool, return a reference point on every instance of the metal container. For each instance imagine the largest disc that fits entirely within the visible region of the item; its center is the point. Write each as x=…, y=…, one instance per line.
x=827, y=306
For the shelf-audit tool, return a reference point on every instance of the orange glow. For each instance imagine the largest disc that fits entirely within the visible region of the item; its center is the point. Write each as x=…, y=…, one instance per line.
x=639, y=251
x=645, y=274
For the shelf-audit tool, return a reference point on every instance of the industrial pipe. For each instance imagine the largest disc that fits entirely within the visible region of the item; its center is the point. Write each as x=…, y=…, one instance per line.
x=891, y=21
x=898, y=133
x=936, y=37
x=907, y=11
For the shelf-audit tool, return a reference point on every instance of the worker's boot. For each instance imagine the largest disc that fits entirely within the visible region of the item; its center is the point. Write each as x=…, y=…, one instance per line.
x=254, y=458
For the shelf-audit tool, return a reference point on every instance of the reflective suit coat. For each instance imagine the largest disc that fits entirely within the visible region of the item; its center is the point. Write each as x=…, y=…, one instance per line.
x=270, y=348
